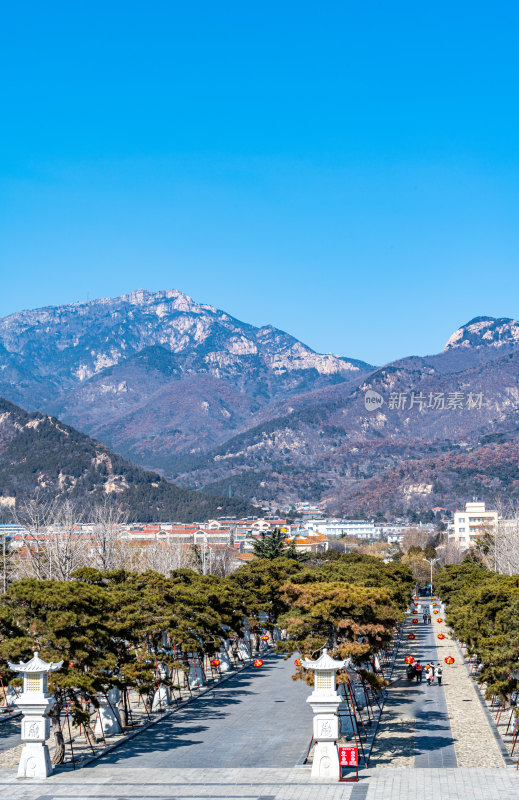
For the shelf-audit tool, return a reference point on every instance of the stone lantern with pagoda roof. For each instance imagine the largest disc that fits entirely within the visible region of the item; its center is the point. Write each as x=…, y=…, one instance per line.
x=325, y=701
x=35, y=702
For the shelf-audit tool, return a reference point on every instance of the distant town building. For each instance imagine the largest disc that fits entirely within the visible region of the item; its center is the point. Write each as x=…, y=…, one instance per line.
x=308, y=511
x=310, y=543
x=358, y=528
x=467, y=526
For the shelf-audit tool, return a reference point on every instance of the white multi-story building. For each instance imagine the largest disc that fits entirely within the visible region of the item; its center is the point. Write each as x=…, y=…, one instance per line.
x=358, y=528
x=467, y=526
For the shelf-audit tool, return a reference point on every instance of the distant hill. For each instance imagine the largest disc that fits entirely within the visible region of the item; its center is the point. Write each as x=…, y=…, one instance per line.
x=186, y=390
x=448, y=428
x=39, y=452
x=154, y=375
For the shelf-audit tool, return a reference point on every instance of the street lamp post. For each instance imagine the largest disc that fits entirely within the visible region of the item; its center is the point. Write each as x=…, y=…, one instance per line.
x=431, y=561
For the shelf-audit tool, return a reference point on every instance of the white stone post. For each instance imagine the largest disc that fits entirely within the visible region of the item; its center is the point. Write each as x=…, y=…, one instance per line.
x=325, y=701
x=35, y=703
x=223, y=655
x=162, y=697
x=108, y=722
x=196, y=675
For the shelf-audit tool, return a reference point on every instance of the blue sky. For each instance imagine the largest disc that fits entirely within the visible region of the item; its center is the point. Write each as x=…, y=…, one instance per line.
x=346, y=171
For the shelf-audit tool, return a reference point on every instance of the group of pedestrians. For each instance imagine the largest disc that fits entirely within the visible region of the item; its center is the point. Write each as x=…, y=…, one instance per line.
x=431, y=672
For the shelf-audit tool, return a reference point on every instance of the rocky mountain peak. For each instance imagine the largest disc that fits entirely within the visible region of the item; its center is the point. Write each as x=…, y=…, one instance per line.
x=485, y=332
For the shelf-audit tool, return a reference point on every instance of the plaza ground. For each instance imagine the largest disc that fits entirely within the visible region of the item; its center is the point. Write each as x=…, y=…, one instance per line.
x=245, y=738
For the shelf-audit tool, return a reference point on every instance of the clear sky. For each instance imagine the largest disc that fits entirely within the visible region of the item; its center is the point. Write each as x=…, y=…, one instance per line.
x=346, y=171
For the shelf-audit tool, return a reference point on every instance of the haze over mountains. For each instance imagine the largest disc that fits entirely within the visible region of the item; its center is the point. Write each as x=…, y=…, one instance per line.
x=186, y=389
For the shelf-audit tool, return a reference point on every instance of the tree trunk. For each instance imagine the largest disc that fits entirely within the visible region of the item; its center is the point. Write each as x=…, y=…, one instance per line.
x=55, y=717
x=89, y=733
x=123, y=708
x=149, y=700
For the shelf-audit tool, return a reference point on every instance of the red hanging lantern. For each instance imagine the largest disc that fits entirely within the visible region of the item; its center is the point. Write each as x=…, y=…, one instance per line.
x=439, y=619
x=297, y=662
x=416, y=602
x=436, y=611
x=265, y=637
x=409, y=659
x=415, y=621
x=449, y=660
x=258, y=663
x=411, y=636
x=215, y=662
x=435, y=604
x=415, y=597
x=441, y=636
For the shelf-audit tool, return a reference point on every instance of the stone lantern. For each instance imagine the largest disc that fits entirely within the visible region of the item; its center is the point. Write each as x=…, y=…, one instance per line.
x=35, y=702
x=325, y=702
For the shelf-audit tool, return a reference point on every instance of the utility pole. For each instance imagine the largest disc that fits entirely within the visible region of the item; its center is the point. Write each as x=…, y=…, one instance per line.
x=4, y=565
x=431, y=561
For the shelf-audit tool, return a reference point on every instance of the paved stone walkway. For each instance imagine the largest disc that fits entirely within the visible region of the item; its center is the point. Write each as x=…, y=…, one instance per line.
x=433, y=726
x=206, y=783
x=414, y=729
x=474, y=740
x=256, y=718
x=9, y=731
x=230, y=743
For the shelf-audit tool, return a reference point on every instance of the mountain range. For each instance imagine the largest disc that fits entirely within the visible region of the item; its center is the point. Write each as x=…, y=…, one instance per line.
x=211, y=402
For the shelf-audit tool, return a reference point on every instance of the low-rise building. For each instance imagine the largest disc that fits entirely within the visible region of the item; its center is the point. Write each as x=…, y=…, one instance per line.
x=310, y=543
x=357, y=528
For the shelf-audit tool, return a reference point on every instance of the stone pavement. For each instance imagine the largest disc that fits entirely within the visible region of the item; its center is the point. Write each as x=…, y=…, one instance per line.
x=230, y=743
x=109, y=783
x=474, y=740
x=433, y=726
x=414, y=729
x=256, y=718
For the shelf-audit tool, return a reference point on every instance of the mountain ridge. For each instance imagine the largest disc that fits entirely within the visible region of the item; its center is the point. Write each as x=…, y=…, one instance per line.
x=187, y=390
x=41, y=455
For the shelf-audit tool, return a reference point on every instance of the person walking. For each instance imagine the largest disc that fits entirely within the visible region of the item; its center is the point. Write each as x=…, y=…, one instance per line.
x=429, y=618
x=438, y=672
x=419, y=671
x=429, y=674
x=424, y=617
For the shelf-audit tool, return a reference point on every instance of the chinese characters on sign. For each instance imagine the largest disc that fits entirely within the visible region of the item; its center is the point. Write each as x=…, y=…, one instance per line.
x=348, y=757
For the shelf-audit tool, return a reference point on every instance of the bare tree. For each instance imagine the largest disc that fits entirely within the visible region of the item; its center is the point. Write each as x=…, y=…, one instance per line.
x=414, y=537
x=165, y=556
x=34, y=515
x=107, y=519
x=66, y=548
x=223, y=561
x=449, y=553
